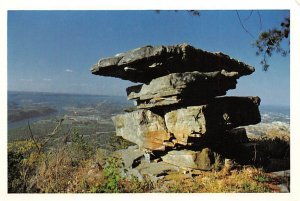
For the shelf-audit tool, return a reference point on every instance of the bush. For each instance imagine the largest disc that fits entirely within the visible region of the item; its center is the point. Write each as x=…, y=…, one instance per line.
x=133, y=185
x=243, y=181
x=66, y=169
x=115, y=183
x=78, y=167
x=79, y=148
x=61, y=169
x=23, y=158
x=112, y=176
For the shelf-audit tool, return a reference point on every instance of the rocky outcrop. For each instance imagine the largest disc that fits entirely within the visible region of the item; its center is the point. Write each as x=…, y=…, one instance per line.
x=182, y=115
x=183, y=88
x=142, y=127
x=221, y=114
x=202, y=160
x=130, y=156
x=156, y=132
x=147, y=63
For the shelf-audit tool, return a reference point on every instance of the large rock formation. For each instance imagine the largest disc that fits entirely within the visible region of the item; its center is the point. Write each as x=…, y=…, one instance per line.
x=158, y=131
x=221, y=114
x=185, y=88
x=147, y=63
x=142, y=127
x=180, y=115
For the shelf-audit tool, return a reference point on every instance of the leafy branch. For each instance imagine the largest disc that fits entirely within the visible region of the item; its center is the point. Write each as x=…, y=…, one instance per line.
x=270, y=41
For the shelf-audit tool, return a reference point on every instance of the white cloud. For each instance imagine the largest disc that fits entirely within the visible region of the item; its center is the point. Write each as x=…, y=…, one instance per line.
x=47, y=79
x=69, y=70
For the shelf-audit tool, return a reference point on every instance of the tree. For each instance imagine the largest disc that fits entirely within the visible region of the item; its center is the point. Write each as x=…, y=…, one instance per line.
x=270, y=41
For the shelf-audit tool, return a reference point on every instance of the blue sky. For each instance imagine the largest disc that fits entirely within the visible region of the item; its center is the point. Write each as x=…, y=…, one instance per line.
x=53, y=51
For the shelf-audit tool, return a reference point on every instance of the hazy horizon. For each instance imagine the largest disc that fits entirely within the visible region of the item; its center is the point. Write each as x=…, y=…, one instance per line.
x=52, y=51
x=124, y=96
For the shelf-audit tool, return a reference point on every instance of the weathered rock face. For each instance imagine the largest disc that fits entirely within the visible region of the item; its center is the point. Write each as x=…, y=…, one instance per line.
x=180, y=115
x=130, y=156
x=143, y=128
x=222, y=113
x=147, y=63
x=155, y=132
x=179, y=88
x=202, y=160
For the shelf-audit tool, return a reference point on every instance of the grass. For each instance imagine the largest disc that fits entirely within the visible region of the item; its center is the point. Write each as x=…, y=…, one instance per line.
x=78, y=167
x=72, y=167
x=246, y=180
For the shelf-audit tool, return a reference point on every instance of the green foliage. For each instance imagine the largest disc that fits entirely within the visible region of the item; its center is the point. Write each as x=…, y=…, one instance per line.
x=184, y=186
x=133, y=185
x=64, y=168
x=262, y=178
x=273, y=147
x=61, y=176
x=15, y=183
x=55, y=172
x=31, y=170
x=112, y=176
x=244, y=180
x=79, y=149
x=23, y=157
x=115, y=183
x=118, y=143
x=270, y=41
x=218, y=162
x=77, y=167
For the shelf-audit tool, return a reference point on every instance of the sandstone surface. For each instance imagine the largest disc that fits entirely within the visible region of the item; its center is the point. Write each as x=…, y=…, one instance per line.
x=223, y=113
x=183, y=88
x=182, y=116
x=202, y=160
x=143, y=128
x=156, y=132
x=150, y=62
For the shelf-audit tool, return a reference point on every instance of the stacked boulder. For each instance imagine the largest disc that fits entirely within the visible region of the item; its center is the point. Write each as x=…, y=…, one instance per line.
x=182, y=115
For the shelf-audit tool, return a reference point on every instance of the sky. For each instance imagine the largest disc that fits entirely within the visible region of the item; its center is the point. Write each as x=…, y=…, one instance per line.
x=52, y=51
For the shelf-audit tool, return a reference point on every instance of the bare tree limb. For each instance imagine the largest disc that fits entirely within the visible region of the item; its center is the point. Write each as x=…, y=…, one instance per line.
x=33, y=139
x=64, y=138
x=238, y=15
x=54, y=131
x=260, y=23
x=248, y=17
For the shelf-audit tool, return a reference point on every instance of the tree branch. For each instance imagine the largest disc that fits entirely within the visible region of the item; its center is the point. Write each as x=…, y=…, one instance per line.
x=260, y=23
x=238, y=15
x=247, y=18
x=33, y=139
x=54, y=131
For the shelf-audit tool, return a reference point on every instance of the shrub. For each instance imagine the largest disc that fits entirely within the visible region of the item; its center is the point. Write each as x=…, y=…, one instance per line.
x=79, y=148
x=244, y=181
x=112, y=176
x=67, y=168
x=23, y=158
x=61, y=169
x=133, y=185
